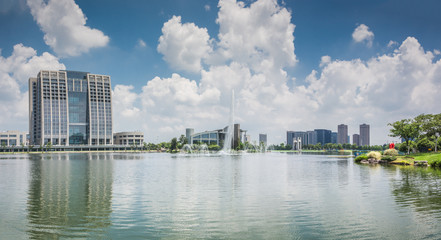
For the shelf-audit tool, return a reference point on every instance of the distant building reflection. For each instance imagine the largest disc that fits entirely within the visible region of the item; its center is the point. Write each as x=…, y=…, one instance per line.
x=70, y=195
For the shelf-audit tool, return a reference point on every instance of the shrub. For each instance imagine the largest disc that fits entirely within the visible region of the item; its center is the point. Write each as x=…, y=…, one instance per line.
x=434, y=160
x=388, y=158
x=425, y=144
x=361, y=157
x=375, y=155
x=391, y=152
x=403, y=146
x=214, y=147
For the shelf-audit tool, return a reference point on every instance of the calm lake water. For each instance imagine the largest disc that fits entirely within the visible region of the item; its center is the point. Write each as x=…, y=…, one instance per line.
x=250, y=196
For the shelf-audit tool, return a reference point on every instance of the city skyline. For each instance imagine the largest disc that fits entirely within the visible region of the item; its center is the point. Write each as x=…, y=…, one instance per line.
x=324, y=136
x=293, y=65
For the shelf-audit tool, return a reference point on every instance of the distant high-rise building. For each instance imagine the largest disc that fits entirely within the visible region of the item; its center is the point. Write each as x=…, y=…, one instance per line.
x=356, y=139
x=364, y=135
x=311, y=138
x=263, y=139
x=342, y=134
x=70, y=108
x=291, y=135
x=323, y=136
x=334, y=137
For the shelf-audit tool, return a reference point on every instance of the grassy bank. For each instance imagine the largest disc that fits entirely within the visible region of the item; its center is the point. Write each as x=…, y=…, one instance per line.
x=433, y=159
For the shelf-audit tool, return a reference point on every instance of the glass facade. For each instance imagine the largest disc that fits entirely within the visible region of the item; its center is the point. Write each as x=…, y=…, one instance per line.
x=206, y=137
x=78, y=108
x=323, y=136
x=78, y=114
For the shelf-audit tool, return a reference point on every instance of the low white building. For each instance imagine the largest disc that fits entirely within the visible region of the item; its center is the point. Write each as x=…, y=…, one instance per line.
x=128, y=138
x=13, y=138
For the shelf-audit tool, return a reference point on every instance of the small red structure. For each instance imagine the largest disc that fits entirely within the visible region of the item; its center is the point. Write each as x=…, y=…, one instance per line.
x=391, y=145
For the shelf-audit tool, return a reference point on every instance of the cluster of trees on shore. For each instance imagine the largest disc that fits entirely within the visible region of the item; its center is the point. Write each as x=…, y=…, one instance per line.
x=331, y=146
x=421, y=133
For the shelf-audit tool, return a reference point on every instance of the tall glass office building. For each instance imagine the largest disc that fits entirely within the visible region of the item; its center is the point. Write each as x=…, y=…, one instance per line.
x=70, y=108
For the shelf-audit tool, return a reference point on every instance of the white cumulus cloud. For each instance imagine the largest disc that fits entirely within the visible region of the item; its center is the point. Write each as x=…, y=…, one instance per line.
x=363, y=34
x=184, y=46
x=378, y=91
x=325, y=60
x=15, y=71
x=64, y=27
x=250, y=57
x=260, y=35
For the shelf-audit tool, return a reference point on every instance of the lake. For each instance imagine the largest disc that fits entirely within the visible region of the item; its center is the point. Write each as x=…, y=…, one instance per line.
x=248, y=196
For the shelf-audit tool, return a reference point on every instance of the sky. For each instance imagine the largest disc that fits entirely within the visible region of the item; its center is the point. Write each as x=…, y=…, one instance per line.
x=294, y=65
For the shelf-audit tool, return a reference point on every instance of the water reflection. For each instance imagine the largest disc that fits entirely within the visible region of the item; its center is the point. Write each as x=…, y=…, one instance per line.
x=255, y=196
x=69, y=194
x=418, y=187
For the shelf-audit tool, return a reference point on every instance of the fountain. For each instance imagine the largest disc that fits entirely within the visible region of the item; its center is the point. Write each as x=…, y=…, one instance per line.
x=186, y=149
x=229, y=140
x=203, y=149
x=255, y=148
x=230, y=131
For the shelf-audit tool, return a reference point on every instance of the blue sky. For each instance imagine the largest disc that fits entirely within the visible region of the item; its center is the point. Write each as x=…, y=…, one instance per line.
x=126, y=47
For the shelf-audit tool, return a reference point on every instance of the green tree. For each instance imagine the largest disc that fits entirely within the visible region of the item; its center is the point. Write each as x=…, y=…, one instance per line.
x=173, y=144
x=407, y=129
x=328, y=146
x=318, y=146
x=48, y=146
x=183, y=140
x=282, y=146
x=403, y=146
x=430, y=125
x=240, y=146
x=346, y=146
x=152, y=146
